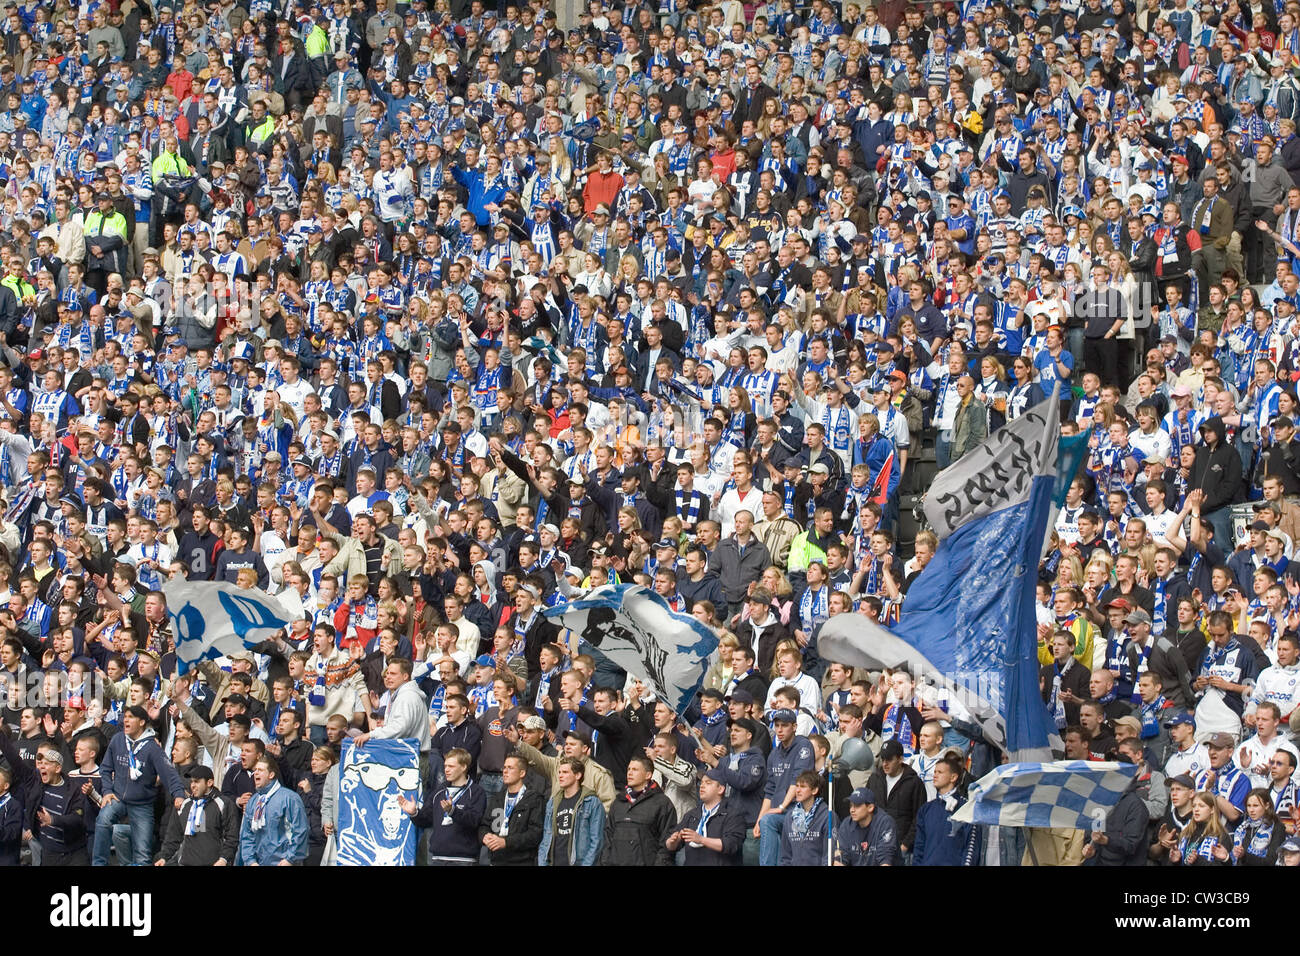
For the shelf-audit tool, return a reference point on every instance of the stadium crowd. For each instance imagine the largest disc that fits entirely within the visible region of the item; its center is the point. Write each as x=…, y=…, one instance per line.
x=427, y=317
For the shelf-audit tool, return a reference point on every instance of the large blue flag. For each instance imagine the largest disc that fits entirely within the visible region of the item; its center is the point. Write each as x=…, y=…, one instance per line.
x=968, y=624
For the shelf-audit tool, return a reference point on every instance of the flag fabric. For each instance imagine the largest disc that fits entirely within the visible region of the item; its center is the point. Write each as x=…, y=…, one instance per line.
x=1066, y=794
x=1071, y=453
x=968, y=624
x=215, y=618
x=373, y=829
x=636, y=629
x=998, y=473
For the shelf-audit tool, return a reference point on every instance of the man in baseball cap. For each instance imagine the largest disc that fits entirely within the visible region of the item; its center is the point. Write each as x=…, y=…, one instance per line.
x=868, y=837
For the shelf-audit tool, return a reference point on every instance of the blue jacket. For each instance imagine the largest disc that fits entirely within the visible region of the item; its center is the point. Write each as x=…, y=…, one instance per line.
x=745, y=776
x=11, y=828
x=876, y=844
x=151, y=764
x=806, y=847
x=458, y=839
x=935, y=842
x=283, y=831
x=875, y=455
x=784, y=765
x=588, y=831
x=480, y=195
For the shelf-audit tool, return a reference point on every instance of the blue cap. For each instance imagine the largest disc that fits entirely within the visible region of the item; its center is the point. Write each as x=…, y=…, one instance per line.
x=485, y=660
x=784, y=716
x=862, y=797
x=1178, y=719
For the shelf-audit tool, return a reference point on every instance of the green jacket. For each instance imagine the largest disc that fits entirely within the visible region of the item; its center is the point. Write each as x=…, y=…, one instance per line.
x=169, y=164
x=803, y=553
x=317, y=42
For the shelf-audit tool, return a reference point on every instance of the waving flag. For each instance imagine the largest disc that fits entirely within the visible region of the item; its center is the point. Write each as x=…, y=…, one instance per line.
x=373, y=830
x=1068, y=794
x=636, y=629
x=968, y=624
x=215, y=619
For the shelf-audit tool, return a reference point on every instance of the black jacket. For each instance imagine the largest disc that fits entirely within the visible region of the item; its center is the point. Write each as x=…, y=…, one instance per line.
x=541, y=631
x=616, y=742
x=1217, y=470
x=772, y=635
x=11, y=830
x=523, y=834
x=637, y=829
x=1126, y=833
x=1074, y=678
x=902, y=803
x=728, y=825
x=216, y=837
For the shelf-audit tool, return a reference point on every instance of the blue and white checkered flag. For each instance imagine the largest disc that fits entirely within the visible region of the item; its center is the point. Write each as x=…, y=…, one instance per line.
x=1066, y=794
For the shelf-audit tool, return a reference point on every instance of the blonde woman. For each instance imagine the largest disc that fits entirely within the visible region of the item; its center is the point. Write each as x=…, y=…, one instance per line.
x=771, y=110
x=629, y=271
x=778, y=585
x=719, y=675
x=1069, y=573
x=788, y=645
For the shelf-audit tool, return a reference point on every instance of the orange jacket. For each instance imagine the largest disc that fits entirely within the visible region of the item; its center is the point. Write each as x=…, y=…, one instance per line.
x=600, y=188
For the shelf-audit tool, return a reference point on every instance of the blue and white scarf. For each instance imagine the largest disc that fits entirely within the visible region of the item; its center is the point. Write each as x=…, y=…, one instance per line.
x=898, y=726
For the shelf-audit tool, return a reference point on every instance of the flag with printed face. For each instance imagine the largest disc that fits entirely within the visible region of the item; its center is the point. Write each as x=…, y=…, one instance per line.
x=373, y=829
x=968, y=624
x=216, y=619
x=636, y=629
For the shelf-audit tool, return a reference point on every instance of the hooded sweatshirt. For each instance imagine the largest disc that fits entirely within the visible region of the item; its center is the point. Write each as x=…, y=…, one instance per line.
x=1217, y=470
x=131, y=769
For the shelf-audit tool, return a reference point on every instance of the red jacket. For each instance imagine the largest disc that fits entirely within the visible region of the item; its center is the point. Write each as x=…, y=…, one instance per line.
x=600, y=188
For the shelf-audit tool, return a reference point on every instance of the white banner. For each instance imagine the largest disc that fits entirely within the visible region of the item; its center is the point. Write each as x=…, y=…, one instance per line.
x=998, y=473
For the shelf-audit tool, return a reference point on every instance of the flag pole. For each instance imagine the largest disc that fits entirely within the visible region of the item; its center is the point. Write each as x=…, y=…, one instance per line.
x=830, y=811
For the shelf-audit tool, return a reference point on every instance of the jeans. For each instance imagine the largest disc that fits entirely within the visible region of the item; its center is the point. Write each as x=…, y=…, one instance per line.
x=140, y=817
x=1074, y=342
x=770, y=829
x=942, y=451
x=491, y=782
x=316, y=734
x=1221, y=519
x=749, y=852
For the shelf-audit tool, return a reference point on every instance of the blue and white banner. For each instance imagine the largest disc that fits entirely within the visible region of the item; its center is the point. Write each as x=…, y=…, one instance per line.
x=998, y=473
x=968, y=623
x=1066, y=794
x=215, y=619
x=373, y=830
x=637, y=630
